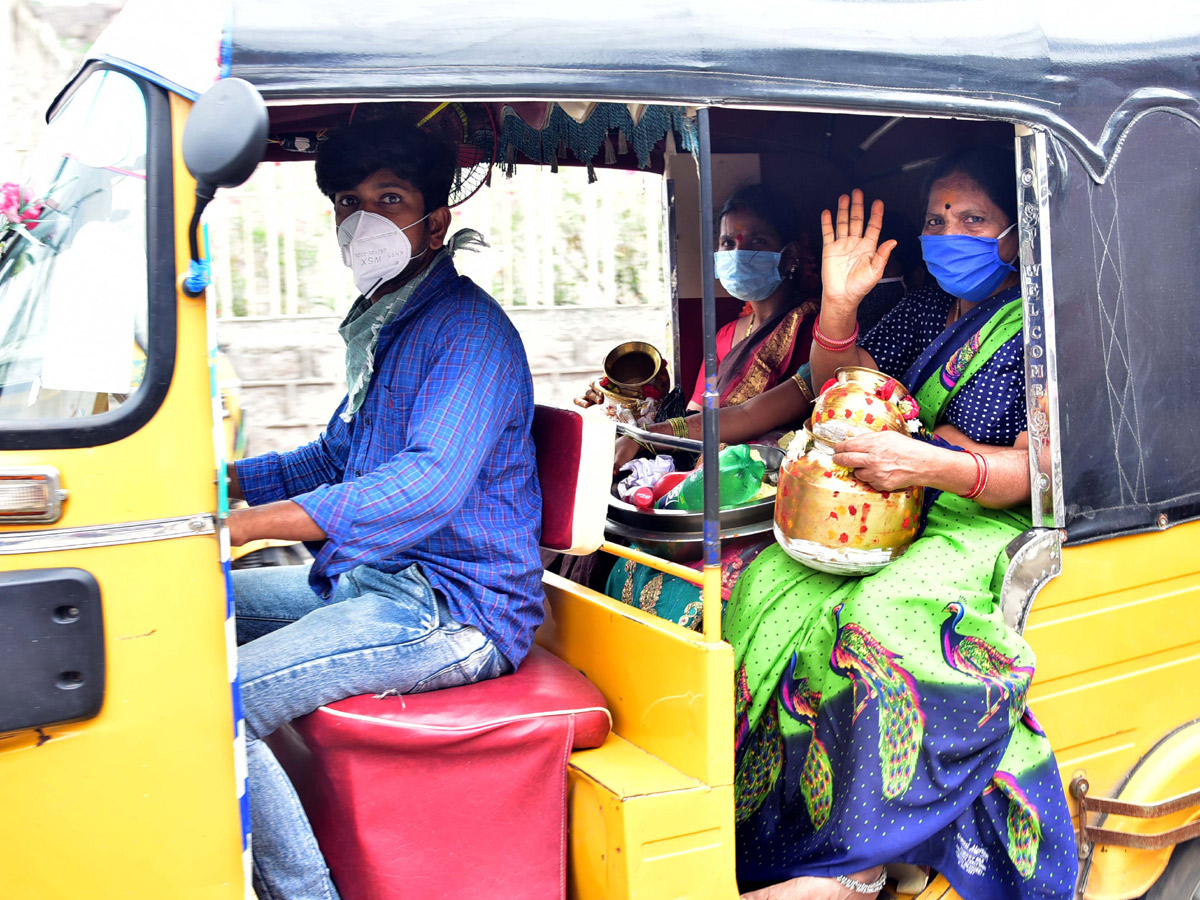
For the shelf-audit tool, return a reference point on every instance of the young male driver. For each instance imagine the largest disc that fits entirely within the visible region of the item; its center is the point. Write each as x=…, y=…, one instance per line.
x=423, y=489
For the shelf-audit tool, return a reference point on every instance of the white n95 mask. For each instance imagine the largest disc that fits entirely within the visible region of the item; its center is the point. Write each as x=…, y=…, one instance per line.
x=375, y=248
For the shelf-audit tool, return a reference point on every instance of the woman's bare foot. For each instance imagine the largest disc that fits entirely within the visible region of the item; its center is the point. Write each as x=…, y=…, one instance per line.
x=810, y=888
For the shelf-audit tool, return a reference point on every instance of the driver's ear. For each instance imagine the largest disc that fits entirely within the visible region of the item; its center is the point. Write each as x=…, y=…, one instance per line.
x=439, y=224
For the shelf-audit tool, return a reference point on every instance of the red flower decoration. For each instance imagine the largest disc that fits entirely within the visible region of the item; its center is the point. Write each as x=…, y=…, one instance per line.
x=652, y=392
x=17, y=208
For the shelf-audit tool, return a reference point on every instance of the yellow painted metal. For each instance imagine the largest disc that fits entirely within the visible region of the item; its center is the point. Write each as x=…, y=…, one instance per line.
x=652, y=809
x=711, y=595
x=140, y=801
x=1117, y=636
x=670, y=691
x=651, y=832
x=1170, y=769
x=939, y=889
x=659, y=565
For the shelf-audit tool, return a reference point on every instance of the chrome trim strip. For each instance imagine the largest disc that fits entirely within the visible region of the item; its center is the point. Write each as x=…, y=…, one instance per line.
x=51, y=539
x=1035, y=557
x=1041, y=366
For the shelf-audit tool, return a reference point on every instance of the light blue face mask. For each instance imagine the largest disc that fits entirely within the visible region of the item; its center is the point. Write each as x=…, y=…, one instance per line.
x=966, y=266
x=749, y=274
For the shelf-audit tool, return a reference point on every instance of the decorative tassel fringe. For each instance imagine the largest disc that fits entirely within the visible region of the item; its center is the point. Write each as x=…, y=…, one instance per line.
x=562, y=135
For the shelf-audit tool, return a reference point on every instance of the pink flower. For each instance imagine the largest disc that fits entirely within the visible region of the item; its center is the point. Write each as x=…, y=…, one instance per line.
x=31, y=214
x=10, y=201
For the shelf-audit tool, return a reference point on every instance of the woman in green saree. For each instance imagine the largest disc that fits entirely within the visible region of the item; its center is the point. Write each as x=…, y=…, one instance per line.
x=883, y=718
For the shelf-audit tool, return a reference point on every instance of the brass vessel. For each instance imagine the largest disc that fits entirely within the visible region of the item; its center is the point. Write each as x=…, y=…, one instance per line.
x=824, y=516
x=633, y=371
x=854, y=405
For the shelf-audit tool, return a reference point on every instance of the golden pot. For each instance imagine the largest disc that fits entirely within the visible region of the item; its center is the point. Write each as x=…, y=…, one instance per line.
x=829, y=520
x=629, y=369
x=853, y=405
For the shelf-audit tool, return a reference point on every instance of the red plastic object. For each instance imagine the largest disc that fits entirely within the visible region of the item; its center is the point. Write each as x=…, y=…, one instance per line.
x=668, y=481
x=459, y=792
x=643, y=497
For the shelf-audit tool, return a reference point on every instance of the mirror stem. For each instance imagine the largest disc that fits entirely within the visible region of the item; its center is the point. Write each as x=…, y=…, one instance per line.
x=197, y=278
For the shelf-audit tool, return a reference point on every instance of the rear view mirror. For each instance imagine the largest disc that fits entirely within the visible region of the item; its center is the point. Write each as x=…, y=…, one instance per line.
x=223, y=141
x=226, y=134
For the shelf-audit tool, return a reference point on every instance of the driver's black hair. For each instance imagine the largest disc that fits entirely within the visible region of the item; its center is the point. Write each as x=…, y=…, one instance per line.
x=354, y=152
x=991, y=167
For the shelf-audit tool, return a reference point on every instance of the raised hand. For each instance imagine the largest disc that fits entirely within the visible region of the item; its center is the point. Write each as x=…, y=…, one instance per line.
x=851, y=260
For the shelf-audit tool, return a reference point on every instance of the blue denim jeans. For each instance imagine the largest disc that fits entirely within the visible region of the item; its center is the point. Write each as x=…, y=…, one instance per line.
x=377, y=633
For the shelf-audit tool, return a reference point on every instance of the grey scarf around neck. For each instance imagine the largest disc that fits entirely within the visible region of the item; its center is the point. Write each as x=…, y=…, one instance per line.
x=366, y=319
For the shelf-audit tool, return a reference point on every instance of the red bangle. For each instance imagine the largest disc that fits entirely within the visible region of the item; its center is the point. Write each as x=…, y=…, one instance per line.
x=827, y=343
x=981, y=475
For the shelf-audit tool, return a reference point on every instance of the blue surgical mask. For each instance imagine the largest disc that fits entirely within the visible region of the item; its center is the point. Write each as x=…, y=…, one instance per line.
x=749, y=274
x=966, y=266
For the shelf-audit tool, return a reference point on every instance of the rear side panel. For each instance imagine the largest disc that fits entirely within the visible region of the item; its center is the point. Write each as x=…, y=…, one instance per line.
x=1117, y=637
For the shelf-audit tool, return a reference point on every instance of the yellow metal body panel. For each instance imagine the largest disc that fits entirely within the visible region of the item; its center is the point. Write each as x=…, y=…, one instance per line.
x=140, y=801
x=1117, y=637
x=661, y=835
x=652, y=809
x=939, y=889
x=670, y=691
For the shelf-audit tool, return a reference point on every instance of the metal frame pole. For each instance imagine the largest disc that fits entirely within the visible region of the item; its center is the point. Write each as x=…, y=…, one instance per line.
x=711, y=586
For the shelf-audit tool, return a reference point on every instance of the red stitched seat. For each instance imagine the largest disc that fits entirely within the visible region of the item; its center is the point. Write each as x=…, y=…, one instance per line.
x=461, y=792
x=452, y=793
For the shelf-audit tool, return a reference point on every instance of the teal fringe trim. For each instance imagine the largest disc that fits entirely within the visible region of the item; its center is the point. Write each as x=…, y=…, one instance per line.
x=585, y=142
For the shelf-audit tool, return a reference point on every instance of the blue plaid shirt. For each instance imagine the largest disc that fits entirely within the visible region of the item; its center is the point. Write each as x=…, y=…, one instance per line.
x=436, y=468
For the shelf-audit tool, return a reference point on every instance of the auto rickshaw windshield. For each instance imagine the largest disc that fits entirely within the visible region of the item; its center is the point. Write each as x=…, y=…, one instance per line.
x=64, y=354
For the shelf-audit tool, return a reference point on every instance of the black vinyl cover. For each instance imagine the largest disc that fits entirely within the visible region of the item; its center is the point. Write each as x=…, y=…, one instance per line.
x=1083, y=70
x=1127, y=304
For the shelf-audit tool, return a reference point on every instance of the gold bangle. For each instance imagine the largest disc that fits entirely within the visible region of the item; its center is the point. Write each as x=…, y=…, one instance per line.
x=804, y=388
x=679, y=426
x=645, y=445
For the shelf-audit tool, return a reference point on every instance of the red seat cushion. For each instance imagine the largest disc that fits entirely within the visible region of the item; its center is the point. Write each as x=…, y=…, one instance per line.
x=574, y=457
x=452, y=793
x=558, y=439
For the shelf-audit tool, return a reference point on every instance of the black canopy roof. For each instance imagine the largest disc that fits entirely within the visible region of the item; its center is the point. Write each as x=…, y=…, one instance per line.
x=1084, y=70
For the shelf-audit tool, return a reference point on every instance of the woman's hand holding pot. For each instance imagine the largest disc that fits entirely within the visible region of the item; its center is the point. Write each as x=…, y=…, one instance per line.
x=886, y=460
